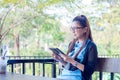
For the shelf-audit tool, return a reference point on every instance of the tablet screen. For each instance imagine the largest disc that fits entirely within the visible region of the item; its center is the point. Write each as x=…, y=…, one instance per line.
x=54, y=51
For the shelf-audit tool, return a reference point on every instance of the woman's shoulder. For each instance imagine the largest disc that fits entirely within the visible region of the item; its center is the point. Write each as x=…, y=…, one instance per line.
x=92, y=44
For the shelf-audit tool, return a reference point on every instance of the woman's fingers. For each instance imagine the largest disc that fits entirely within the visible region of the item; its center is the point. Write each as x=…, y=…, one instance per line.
x=66, y=58
x=62, y=57
x=54, y=56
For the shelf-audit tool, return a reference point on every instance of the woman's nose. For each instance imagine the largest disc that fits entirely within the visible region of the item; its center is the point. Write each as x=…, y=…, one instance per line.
x=73, y=31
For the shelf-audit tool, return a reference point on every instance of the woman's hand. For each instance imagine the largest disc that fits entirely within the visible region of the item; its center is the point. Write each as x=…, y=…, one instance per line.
x=66, y=58
x=56, y=57
x=72, y=61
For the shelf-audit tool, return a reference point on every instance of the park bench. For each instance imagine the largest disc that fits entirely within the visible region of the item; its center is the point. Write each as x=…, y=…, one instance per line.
x=110, y=65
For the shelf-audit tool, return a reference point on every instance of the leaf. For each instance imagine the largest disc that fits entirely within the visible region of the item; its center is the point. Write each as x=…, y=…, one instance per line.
x=11, y=1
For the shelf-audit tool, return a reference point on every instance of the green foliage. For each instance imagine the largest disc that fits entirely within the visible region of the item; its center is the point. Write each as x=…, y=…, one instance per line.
x=117, y=76
x=37, y=26
x=58, y=36
x=42, y=52
x=11, y=1
x=44, y=4
x=28, y=22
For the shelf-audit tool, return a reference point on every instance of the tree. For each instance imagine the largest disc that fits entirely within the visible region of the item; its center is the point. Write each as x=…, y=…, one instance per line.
x=19, y=19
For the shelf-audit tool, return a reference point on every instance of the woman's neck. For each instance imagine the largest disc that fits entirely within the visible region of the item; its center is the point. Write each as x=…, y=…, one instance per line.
x=81, y=40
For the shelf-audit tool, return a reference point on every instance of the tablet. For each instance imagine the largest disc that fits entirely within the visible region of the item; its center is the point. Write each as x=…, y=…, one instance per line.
x=56, y=51
x=59, y=51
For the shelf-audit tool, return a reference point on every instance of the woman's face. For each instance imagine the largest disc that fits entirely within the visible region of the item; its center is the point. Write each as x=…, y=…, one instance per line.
x=77, y=30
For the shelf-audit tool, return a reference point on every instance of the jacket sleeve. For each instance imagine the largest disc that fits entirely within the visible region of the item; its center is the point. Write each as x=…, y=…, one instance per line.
x=91, y=61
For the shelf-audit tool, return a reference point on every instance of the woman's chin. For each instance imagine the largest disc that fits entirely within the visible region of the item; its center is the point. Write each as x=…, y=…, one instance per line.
x=75, y=37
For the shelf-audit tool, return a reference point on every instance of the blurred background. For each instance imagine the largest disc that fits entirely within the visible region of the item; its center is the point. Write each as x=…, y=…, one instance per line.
x=30, y=27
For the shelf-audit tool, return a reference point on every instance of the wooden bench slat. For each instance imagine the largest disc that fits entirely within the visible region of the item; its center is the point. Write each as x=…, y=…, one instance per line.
x=108, y=65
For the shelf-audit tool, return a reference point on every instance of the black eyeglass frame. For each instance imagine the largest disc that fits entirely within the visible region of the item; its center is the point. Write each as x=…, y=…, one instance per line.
x=75, y=28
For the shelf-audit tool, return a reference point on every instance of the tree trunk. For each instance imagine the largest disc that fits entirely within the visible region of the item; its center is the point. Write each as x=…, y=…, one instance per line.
x=17, y=50
x=38, y=44
x=17, y=45
x=0, y=48
x=0, y=44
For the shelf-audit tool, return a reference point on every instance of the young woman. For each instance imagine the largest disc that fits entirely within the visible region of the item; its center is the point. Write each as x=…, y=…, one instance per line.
x=81, y=58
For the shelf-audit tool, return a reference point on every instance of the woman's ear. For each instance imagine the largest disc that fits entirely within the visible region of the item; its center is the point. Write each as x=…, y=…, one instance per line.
x=85, y=29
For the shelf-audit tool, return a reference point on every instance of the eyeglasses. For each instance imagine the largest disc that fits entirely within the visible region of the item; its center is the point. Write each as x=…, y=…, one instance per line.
x=75, y=28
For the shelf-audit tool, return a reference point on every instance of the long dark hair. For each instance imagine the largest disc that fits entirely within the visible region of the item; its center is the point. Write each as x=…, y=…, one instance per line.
x=83, y=21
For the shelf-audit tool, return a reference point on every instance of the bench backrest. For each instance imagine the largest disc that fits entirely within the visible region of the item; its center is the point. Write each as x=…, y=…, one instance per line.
x=108, y=65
